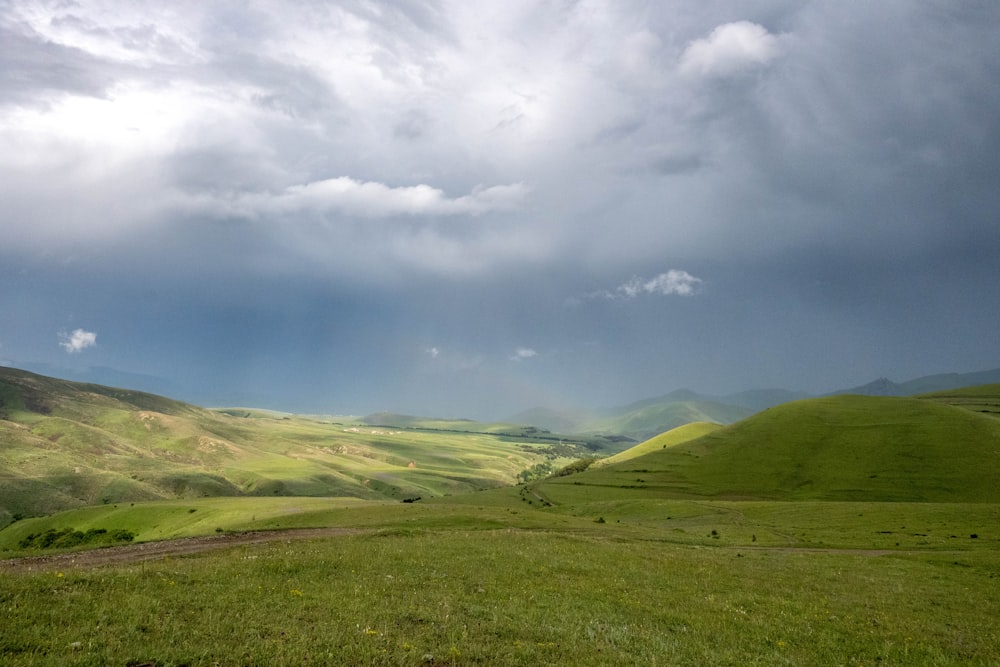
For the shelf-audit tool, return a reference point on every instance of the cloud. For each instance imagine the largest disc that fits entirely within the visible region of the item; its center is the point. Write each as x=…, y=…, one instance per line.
x=283, y=157
x=36, y=70
x=522, y=353
x=77, y=341
x=673, y=281
x=729, y=49
x=362, y=198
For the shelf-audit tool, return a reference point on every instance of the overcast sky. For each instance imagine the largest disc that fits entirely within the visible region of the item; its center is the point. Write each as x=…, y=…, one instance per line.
x=470, y=209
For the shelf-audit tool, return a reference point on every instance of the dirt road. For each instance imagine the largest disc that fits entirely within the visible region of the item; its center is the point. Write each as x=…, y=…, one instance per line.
x=133, y=553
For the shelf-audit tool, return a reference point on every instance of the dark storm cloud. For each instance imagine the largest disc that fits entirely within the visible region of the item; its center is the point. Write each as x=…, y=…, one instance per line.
x=323, y=192
x=35, y=69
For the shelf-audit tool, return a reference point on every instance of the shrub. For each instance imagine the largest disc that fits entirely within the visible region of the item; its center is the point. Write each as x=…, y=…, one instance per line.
x=576, y=466
x=68, y=538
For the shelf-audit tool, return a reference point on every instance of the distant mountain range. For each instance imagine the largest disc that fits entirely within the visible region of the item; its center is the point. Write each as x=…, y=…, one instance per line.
x=649, y=417
x=637, y=421
x=923, y=385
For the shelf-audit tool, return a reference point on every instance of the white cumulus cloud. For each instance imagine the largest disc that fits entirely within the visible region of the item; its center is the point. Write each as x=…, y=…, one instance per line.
x=78, y=340
x=522, y=353
x=673, y=281
x=730, y=48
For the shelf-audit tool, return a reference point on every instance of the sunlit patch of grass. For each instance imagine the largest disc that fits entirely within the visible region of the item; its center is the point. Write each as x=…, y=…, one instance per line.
x=68, y=445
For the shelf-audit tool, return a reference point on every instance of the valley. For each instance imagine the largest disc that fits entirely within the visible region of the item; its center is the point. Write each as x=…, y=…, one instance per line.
x=845, y=529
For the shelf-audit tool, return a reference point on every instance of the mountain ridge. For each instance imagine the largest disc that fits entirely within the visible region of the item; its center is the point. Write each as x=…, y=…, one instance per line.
x=724, y=409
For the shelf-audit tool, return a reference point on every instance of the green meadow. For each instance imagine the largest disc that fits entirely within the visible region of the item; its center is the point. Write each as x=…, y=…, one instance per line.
x=500, y=582
x=838, y=531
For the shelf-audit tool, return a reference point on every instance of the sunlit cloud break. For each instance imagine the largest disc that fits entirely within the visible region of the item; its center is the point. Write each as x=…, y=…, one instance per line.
x=78, y=340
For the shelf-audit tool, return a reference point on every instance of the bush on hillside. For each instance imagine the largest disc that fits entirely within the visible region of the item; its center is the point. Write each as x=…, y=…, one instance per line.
x=68, y=537
x=576, y=466
x=537, y=471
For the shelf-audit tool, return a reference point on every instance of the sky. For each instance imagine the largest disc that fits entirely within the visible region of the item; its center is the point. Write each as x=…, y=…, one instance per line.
x=460, y=209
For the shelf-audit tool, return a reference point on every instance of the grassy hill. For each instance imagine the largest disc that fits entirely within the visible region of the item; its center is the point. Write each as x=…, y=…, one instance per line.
x=671, y=438
x=69, y=444
x=981, y=399
x=834, y=448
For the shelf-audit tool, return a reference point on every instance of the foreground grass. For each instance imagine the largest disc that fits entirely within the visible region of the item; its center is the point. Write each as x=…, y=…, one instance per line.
x=508, y=597
x=490, y=578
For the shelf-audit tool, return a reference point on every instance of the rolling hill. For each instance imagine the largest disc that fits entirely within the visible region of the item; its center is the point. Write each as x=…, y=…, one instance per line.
x=65, y=444
x=858, y=448
x=671, y=438
x=982, y=399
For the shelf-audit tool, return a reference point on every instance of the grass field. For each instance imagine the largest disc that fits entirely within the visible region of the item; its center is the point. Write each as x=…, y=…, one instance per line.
x=501, y=583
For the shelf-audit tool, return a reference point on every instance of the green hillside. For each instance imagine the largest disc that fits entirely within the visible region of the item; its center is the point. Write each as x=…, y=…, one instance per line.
x=836, y=448
x=67, y=444
x=982, y=399
x=671, y=438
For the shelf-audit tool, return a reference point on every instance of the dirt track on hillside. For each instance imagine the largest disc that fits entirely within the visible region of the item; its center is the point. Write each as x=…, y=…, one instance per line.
x=145, y=551
x=134, y=553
